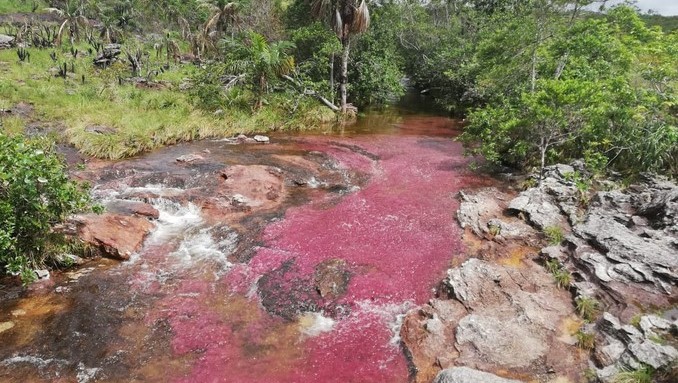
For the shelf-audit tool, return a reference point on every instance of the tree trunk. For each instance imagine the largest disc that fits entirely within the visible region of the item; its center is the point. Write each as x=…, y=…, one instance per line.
x=332, y=76
x=343, y=79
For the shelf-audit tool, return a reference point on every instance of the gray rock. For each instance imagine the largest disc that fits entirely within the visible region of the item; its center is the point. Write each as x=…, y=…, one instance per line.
x=186, y=158
x=653, y=354
x=625, y=347
x=477, y=209
x=42, y=274
x=508, y=342
x=538, y=208
x=628, y=257
x=469, y=375
x=6, y=41
x=262, y=139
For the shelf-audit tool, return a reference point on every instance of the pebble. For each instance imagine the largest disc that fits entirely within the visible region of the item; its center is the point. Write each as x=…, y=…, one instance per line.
x=18, y=312
x=4, y=326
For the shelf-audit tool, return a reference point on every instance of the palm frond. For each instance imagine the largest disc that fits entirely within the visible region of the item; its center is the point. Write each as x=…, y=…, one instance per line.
x=361, y=18
x=338, y=24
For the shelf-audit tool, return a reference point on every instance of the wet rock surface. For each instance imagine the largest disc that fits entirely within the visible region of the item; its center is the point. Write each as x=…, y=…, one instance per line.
x=468, y=375
x=115, y=236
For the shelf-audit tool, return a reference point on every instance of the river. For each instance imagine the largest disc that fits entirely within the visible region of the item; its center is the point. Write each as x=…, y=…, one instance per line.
x=292, y=261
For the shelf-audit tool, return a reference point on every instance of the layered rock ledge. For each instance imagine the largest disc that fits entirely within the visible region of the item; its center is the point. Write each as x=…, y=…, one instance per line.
x=579, y=308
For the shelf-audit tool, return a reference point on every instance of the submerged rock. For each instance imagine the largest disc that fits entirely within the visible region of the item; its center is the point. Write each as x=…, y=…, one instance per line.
x=331, y=278
x=187, y=158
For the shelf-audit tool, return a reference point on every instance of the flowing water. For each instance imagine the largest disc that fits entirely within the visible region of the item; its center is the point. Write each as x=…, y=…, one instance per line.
x=293, y=261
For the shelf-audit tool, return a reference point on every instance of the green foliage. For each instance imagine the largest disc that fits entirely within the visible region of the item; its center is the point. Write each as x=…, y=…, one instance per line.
x=376, y=76
x=260, y=62
x=588, y=308
x=317, y=49
x=643, y=374
x=494, y=230
x=13, y=6
x=35, y=194
x=549, y=85
x=554, y=234
x=585, y=341
x=563, y=278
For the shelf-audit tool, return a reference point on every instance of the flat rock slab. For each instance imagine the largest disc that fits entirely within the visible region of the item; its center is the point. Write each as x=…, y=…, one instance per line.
x=116, y=236
x=497, y=318
x=469, y=375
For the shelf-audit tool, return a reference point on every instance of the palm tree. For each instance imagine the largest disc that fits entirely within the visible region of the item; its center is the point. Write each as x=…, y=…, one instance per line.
x=263, y=61
x=74, y=17
x=347, y=18
x=224, y=15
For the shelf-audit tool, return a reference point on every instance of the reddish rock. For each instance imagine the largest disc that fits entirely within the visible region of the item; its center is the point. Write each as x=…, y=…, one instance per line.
x=116, y=236
x=126, y=207
x=331, y=278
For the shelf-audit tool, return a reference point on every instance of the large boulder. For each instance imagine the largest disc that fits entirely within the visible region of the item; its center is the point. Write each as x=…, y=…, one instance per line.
x=496, y=318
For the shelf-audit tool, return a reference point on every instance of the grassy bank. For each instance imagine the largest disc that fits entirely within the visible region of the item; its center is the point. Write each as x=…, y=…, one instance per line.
x=133, y=119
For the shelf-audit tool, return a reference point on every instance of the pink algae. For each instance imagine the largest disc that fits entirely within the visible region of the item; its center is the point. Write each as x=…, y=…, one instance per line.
x=397, y=235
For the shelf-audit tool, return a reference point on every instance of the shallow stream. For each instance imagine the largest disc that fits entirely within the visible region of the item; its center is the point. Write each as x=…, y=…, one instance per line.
x=292, y=261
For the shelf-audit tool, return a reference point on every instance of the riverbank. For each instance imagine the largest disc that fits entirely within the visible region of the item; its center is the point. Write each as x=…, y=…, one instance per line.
x=106, y=114
x=563, y=284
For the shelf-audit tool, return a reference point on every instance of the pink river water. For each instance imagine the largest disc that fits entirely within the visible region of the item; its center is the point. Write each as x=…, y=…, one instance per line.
x=205, y=321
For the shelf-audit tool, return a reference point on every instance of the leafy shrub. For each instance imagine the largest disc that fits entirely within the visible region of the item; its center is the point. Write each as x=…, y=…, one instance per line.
x=35, y=194
x=207, y=91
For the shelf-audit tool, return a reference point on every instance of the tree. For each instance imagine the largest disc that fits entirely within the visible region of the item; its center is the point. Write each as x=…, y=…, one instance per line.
x=347, y=18
x=261, y=61
x=73, y=14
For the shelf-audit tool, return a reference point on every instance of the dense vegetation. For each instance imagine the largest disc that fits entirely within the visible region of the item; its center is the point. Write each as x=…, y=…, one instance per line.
x=539, y=81
x=35, y=194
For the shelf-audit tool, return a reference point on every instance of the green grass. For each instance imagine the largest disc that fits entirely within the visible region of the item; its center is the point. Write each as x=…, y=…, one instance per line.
x=588, y=308
x=12, y=125
x=142, y=119
x=585, y=341
x=16, y=6
x=641, y=375
x=554, y=235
